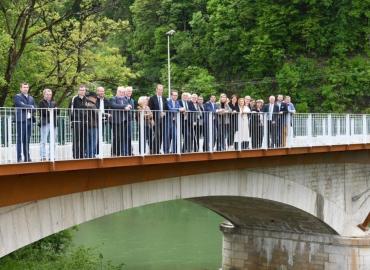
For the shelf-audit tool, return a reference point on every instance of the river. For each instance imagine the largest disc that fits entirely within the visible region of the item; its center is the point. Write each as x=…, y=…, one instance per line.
x=172, y=235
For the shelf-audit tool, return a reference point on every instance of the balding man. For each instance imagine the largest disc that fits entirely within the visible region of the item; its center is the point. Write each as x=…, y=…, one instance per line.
x=271, y=111
x=79, y=123
x=103, y=105
x=119, y=105
x=46, y=105
x=129, y=117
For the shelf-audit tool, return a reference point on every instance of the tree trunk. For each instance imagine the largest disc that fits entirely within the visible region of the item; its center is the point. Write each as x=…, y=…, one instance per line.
x=4, y=90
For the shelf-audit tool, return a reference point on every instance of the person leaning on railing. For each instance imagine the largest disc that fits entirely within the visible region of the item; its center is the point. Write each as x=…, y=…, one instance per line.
x=24, y=117
x=45, y=106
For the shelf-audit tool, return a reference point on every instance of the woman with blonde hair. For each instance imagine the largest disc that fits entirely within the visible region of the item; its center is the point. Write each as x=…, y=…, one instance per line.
x=146, y=115
x=223, y=123
x=242, y=137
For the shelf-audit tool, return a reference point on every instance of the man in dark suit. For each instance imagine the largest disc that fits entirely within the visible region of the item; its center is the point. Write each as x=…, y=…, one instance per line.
x=271, y=111
x=281, y=121
x=187, y=128
x=196, y=119
x=201, y=120
x=158, y=105
x=210, y=108
x=129, y=117
x=78, y=107
x=174, y=109
x=119, y=106
x=25, y=106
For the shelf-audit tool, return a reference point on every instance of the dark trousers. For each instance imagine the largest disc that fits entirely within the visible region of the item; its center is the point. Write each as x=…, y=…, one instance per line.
x=127, y=148
x=79, y=143
x=256, y=136
x=158, y=135
x=196, y=137
x=187, y=133
x=222, y=135
x=92, y=142
x=272, y=134
x=207, y=136
x=233, y=128
x=171, y=138
x=24, y=129
x=118, y=135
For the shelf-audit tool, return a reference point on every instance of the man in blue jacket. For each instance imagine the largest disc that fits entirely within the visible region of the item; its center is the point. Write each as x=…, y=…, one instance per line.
x=210, y=109
x=24, y=111
x=174, y=109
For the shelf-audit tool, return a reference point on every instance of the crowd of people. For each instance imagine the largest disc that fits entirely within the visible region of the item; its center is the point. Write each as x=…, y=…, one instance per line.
x=177, y=124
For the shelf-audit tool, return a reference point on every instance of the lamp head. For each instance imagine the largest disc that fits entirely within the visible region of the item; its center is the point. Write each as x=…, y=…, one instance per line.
x=171, y=33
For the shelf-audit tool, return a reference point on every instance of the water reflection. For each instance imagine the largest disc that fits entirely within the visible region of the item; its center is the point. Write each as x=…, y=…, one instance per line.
x=171, y=235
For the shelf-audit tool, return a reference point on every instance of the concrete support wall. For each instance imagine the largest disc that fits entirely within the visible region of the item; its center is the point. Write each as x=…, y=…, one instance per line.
x=306, y=199
x=252, y=249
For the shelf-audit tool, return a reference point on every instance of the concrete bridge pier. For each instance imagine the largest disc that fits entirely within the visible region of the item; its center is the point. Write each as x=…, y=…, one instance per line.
x=245, y=248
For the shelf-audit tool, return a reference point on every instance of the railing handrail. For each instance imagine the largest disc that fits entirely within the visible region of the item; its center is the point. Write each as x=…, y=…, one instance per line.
x=118, y=132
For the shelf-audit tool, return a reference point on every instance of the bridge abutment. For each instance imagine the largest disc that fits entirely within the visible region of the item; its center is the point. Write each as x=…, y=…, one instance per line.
x=260, y=249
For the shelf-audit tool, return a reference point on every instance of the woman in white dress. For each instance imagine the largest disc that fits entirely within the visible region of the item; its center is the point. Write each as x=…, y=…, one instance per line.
x=242, y=137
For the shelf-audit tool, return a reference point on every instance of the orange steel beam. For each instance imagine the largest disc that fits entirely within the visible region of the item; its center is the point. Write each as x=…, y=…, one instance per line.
x=86, y=164
x=26, y=182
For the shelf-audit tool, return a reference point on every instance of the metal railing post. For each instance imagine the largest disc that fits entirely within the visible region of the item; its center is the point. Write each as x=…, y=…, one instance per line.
x=265, y=130
x=329, y=125
x=309, y=129
x=289, y=130
x=347, y=127
x=100, y=133
x=52, y=136
x=210, y=142
x=9, y=131
x=178, y=134
x=364, y=128
x=142, y=133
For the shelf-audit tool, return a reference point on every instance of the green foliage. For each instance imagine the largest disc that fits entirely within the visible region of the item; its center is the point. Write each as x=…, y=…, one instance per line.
x=315, y=51
x=56, y=252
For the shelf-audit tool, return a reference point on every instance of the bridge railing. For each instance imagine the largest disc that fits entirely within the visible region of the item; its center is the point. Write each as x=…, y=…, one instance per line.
x=63, y=134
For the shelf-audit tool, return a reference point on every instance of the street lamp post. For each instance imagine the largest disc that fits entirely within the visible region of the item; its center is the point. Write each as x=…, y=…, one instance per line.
x=169, y=33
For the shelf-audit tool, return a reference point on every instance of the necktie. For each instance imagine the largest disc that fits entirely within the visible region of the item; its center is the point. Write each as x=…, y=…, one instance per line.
x=160, y=103
x=101, y=105
x=271, y=110
x=186, y=105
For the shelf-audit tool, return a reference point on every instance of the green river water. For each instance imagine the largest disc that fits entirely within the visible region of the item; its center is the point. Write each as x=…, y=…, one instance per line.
x=172, y=235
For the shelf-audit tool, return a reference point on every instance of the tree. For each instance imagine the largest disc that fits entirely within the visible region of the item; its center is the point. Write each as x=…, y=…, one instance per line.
x=23, y=21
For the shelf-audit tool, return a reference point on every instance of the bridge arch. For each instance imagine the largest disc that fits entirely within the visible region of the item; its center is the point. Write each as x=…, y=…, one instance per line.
x=281, y=204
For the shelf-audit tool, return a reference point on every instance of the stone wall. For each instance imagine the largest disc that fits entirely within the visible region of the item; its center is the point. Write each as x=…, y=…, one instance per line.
x=251, y=249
